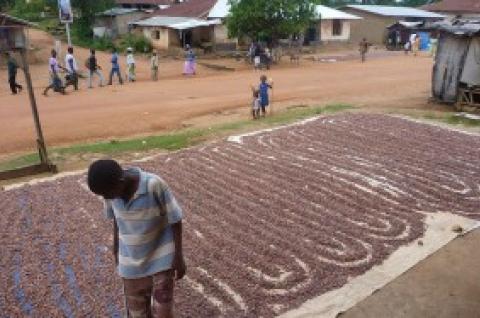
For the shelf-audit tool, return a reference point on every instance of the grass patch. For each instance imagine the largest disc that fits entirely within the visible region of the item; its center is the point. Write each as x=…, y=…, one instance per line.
x=458, y=120
x=451, y=119
x=23, y=161
x=176, y=140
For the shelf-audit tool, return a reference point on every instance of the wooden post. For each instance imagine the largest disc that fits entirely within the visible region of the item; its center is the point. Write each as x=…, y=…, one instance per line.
x=40, y=141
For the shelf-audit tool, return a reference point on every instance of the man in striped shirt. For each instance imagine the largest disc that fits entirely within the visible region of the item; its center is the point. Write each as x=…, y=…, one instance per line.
x=148, y=229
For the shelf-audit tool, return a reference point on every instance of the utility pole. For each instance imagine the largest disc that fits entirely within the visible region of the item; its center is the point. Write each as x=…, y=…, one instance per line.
x=42, y=149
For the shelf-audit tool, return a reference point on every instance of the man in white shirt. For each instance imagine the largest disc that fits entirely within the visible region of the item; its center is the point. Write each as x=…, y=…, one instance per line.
x=72, y=69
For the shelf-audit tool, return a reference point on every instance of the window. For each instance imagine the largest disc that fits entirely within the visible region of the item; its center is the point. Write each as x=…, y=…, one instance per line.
x=337, y=27
x=156, y=35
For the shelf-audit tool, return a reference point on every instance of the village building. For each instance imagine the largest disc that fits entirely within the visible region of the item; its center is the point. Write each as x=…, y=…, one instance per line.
x=331, y=26
x=115, y=22
x=456, y=9
x=456, y=73
x=376, y=19
x=195, y=22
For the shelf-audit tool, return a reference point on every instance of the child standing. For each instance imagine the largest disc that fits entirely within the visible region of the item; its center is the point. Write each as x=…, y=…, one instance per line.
x=130, y=65
x=150, y=256
x=263, y=90
x=154, y=66
x=256, y=104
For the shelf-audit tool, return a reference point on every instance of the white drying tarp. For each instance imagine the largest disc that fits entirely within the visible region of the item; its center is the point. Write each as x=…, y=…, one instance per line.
x=326, y=13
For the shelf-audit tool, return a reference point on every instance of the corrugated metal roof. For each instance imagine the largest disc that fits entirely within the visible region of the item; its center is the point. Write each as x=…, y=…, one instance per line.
x=220, y=10
x=190, y=8
x=390, y=11
x=454, y=6
x=327, y=13
x=6, y=20
x=117, y=11
x=461, y=28
x=178, y=23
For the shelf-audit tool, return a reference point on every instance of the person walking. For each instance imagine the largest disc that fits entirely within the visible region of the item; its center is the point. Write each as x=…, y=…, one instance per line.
x=12, y=67
x=72, y=69
x=115, y=68
x=190, y=63
x=154, y=66
x=363, y=47
x=93, y=69
x=130, y=65
x=55, y=81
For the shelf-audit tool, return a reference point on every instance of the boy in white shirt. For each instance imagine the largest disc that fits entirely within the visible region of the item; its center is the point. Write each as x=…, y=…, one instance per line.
x=130, y=65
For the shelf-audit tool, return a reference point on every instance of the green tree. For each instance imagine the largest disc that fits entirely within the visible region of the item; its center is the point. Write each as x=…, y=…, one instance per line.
x=86, y=10
x=6, y=4
x=269, y=20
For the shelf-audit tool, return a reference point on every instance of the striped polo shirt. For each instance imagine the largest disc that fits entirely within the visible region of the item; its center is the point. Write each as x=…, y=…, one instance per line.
x=144, y=249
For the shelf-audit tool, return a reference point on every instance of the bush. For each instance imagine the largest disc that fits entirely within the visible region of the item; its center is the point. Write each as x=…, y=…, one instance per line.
x=29, y=11
x=139, y=43
x=102, y=44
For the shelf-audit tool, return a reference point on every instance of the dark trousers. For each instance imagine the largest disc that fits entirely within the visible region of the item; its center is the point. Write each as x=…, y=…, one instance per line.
x=72, y=79
x=14, y=87
x=113, y=72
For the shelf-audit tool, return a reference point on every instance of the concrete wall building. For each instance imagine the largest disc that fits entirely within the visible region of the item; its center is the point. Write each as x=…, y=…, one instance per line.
x=194, y=22
x=331, y=26
x=376, y=19
x=115, y=22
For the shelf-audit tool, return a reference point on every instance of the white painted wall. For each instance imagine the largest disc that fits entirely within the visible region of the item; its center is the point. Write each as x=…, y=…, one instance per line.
x=326, y=29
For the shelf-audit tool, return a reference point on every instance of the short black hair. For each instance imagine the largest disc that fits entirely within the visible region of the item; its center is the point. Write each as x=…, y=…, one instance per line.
x=70, y=50
x=103, y=175
x=92, y=51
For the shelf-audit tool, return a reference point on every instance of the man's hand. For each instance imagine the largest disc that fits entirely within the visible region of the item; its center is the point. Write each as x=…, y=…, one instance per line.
x=179, y=267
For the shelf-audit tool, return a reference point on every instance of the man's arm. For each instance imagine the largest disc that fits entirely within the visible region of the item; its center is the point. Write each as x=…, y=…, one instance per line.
x=178, y=261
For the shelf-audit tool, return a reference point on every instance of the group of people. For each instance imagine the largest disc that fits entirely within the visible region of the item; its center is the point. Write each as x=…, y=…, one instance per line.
x=413, y=44
x=73, y=72
x=93, y=70
x=259, y=56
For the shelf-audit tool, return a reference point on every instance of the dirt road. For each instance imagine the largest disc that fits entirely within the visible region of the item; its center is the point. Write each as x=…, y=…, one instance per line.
x=149, y=107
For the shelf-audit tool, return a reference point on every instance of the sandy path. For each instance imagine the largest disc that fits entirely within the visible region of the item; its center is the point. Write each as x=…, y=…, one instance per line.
x=147, y=107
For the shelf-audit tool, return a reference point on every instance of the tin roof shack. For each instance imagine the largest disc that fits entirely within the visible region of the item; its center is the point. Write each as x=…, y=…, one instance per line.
x=399, y=34
x=330, y=26
x=376, y=19
x=115, y=22
x=456, y=9
x=13, y=39
x=456, y=73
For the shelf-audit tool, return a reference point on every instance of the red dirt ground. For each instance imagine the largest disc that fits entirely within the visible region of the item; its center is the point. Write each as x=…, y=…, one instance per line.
x=270, y=221
x=148, y=107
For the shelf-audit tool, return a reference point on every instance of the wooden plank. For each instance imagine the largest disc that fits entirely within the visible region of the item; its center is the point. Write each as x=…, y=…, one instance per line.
x=27, y=171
